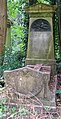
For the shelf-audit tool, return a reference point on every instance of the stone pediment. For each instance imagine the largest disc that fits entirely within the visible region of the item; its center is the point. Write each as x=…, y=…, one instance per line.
x=36, y=8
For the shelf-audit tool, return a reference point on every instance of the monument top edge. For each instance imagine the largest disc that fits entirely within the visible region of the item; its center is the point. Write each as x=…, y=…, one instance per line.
x=41, y=7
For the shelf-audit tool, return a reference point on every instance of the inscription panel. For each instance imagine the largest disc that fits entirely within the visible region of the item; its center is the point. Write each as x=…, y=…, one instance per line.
x=40, y=43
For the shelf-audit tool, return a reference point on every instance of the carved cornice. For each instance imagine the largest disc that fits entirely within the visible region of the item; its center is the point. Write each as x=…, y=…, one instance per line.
x=41, y=15
x=41, y=8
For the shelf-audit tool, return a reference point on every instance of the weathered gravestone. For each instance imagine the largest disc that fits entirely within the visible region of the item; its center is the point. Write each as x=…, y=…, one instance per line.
x=31, y=81
x=40, y=38
x=34, y=80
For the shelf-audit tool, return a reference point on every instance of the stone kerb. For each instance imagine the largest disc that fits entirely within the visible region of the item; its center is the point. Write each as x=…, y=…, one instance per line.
x=31, y=81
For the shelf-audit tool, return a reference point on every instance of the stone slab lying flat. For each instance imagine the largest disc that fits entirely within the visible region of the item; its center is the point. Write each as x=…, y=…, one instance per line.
x=30, y=82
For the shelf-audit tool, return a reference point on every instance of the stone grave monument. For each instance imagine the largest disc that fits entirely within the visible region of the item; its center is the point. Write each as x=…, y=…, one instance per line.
x=33, y=80
x=40, y=39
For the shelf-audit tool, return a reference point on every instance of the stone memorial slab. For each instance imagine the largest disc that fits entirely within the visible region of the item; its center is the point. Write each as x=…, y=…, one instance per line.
x=31, y=82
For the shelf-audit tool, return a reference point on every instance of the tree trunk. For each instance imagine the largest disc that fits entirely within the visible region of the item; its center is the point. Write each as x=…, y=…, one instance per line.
x=3, y=27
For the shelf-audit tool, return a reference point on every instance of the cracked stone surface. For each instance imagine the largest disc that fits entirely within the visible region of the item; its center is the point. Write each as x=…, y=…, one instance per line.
x=32, y=80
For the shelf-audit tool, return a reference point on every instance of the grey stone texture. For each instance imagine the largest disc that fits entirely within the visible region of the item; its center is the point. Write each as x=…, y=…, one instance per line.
x=31, y=81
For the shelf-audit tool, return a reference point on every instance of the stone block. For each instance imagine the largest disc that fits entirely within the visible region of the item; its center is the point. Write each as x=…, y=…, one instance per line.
x=32, y=81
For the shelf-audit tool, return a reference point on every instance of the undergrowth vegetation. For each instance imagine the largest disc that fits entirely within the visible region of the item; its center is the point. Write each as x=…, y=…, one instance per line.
x=23, y=108
x=15, y=55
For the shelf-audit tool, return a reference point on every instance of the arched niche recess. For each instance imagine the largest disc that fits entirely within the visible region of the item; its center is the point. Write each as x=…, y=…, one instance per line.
x=40, y=25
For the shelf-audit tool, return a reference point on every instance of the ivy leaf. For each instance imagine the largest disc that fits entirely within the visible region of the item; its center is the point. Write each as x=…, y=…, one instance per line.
x=1, y=115
x=58, y=92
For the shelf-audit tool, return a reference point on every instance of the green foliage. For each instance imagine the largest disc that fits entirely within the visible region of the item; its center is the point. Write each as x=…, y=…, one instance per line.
x=3, y=108
x=45, y=1
x=14, y=57
x=56, y=38
x=58, y=91
x=1, y=114
x=23, y=111
x=41, y=1
x=13, y=110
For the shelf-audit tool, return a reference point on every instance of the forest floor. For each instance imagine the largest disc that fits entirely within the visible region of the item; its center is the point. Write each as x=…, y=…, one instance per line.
x=22, y=108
